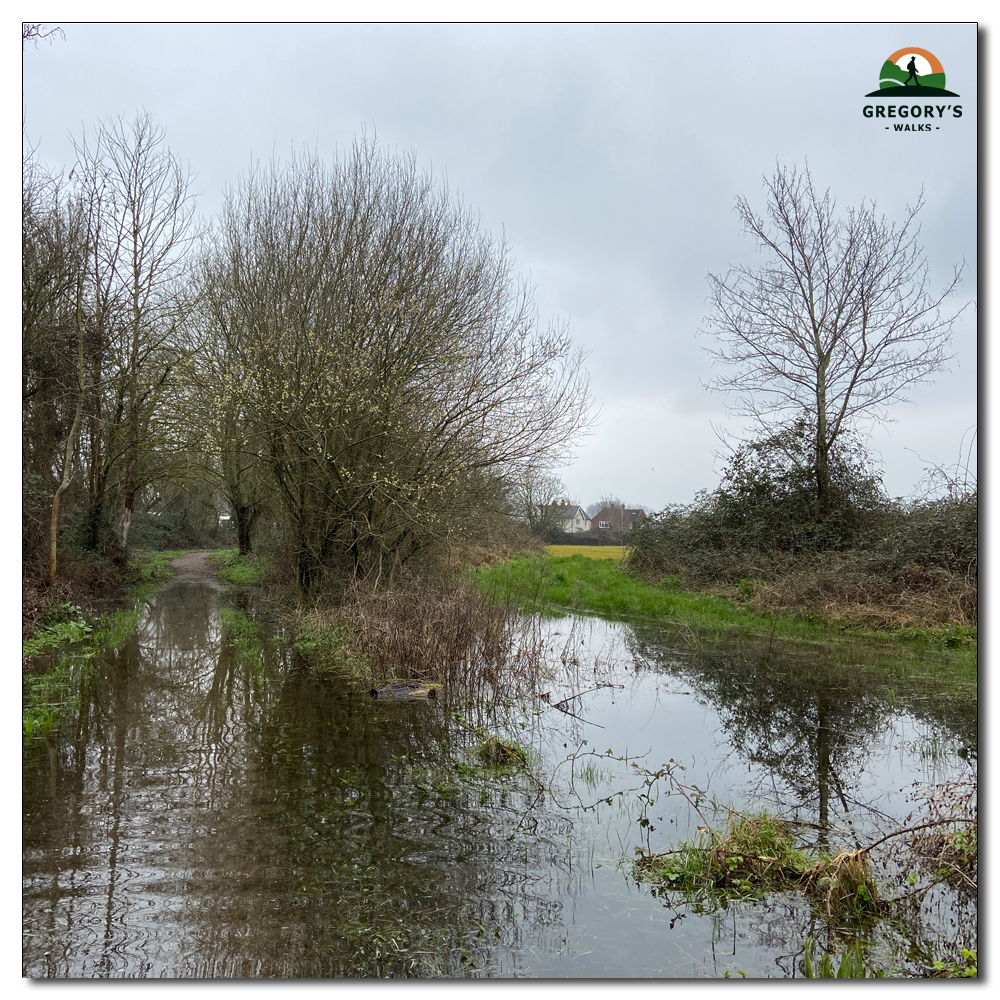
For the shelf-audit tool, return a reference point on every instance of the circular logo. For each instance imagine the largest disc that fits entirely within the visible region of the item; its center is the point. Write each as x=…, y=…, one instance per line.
x=915, y=72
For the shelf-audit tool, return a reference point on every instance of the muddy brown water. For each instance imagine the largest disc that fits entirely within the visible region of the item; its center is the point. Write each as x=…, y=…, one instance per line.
x=217, y=810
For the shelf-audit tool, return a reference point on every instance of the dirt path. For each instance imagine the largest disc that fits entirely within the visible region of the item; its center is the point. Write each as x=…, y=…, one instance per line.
x=193, y=567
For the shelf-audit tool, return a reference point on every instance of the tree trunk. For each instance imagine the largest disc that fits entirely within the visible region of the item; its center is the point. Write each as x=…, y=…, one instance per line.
x=124, y=523
x=305, y=570
x=67, y=478
x=94, y=516
x=822, y=447
x=244, y=527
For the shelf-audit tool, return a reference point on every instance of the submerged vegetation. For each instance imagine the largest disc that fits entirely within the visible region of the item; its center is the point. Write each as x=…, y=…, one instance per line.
x=755, y=856
x=759, y=857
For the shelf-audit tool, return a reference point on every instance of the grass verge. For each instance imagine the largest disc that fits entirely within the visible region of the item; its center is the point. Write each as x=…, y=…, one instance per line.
x=561, y=585
x=237, y=570
x=577, y=583
x=64, y=645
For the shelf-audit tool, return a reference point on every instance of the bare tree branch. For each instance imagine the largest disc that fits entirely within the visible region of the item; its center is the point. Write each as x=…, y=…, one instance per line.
x=840, y=322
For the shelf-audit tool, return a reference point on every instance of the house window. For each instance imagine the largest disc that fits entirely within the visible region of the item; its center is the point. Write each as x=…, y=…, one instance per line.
x=604, y=524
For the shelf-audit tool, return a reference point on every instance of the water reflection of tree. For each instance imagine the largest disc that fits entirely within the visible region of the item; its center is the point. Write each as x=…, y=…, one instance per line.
x=110, y=772
x=402, y=866
x=809, y=718
x=232, y=815
x=801, y=712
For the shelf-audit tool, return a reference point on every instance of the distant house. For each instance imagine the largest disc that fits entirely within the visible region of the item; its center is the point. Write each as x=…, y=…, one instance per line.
x=618, y=519
x=570, y=517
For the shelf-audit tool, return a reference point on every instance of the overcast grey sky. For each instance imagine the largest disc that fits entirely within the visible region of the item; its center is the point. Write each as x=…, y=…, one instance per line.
x=610, y=155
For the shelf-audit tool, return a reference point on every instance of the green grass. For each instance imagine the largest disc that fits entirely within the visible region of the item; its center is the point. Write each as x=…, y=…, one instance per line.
x=755, y=857
x=64, y=625
x=577, y=583
x=561, y=585
x=237, y=570
x=154, y=565
x=244, y=633
x=49, y=697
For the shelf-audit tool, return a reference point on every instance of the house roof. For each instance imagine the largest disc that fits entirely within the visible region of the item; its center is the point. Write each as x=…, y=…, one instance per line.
x=569, y=511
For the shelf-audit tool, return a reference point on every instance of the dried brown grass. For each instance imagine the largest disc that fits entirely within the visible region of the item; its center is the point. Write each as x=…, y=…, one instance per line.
x=843, y=883
x=438, y=629
x=845, y=588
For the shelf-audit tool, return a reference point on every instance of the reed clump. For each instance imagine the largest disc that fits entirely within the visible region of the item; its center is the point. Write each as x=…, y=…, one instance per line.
x=438, y=630
x=755, y=856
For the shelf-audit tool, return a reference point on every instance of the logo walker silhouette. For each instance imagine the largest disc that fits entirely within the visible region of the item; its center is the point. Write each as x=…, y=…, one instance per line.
x=913, y=72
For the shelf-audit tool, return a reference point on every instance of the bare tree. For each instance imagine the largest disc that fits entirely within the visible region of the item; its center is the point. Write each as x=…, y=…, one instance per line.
x=32, y=31
x=533, y=496
x=606, y=500
x=53, y=272
x=391, y=369
x=219, y=414
x=140, y=216
x=838, y=323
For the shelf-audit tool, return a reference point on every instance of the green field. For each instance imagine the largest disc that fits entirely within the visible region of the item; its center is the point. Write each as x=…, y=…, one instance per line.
x=580, y=582
x=591, y=551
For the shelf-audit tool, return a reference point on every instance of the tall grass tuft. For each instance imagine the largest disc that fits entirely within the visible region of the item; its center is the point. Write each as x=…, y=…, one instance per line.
x=755, y=856
x=431, y=629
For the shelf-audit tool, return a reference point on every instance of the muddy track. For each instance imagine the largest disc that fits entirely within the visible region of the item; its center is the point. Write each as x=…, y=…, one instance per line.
x=193, y=567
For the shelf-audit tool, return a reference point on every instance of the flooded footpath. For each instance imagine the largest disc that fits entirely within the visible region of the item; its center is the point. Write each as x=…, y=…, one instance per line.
x=216, y=809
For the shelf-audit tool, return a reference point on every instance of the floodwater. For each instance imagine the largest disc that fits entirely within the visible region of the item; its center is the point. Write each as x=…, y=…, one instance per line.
x=216, y=810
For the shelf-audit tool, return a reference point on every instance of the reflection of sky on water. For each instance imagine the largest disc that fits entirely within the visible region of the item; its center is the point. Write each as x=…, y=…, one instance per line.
x=220, y=813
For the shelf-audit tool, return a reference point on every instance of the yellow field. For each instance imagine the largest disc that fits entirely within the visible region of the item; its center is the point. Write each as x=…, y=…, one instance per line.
x=593, y=551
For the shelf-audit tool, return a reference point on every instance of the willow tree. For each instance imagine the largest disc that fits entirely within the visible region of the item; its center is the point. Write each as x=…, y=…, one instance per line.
x=392, y=372
x=839, y=322
x=217, y=418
